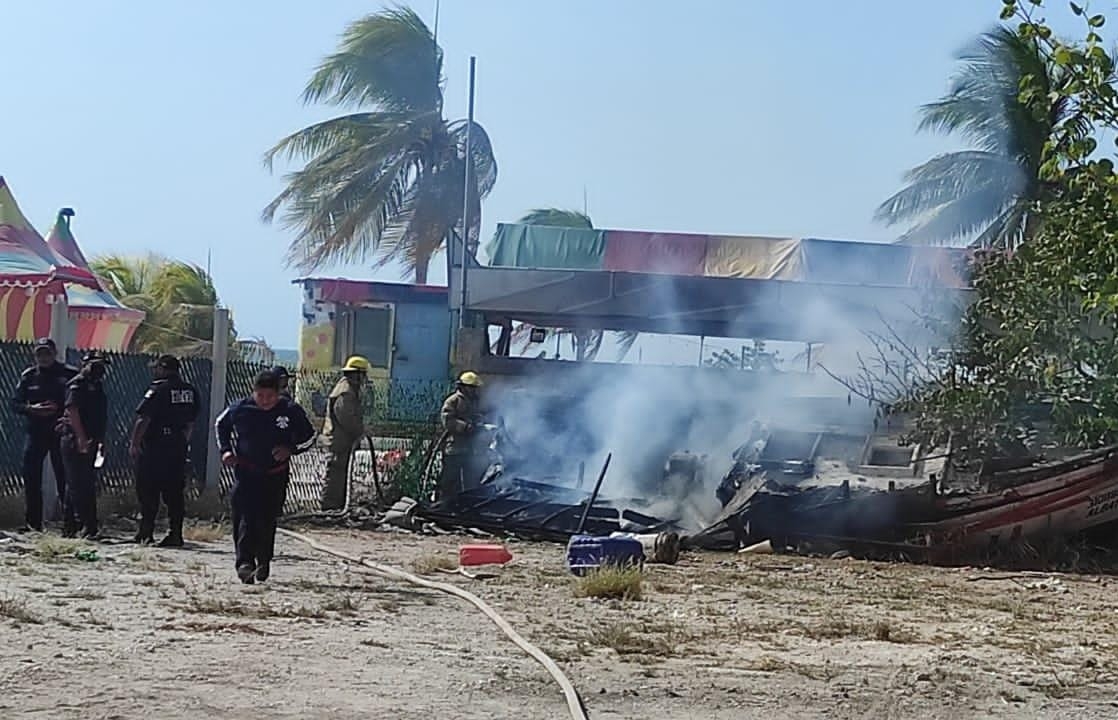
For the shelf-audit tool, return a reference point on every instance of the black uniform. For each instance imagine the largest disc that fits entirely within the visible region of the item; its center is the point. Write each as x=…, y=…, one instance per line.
x=170, y=405
x=39, y=385
x=260, y=488
x=85, y=395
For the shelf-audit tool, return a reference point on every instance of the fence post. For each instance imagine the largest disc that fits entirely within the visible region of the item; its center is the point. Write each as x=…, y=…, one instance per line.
x=218, y=378
x=60, y=333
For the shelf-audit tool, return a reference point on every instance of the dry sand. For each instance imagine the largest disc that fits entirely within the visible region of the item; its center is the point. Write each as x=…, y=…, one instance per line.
x=143, y=633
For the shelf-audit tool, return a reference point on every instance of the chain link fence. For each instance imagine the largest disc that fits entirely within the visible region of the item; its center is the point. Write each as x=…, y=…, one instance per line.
x=400, y=414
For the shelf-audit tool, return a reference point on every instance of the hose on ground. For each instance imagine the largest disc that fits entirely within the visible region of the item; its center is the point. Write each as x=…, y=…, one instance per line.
x=570, y=694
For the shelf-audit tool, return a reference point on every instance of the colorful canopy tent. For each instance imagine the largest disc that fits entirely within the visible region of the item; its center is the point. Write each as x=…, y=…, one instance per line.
x=99, y=320
x=35, y=274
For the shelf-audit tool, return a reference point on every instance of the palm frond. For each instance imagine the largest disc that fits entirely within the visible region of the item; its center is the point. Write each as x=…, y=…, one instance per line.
x=967, y=195
x=963, y=218
x=556, y=217
x=948, y=177
x=388, y=59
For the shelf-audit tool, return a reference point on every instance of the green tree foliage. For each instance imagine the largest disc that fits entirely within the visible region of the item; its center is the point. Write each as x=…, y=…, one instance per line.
x=178, y=300
x=387, y=178
x=985, y=194
x=1036, y=357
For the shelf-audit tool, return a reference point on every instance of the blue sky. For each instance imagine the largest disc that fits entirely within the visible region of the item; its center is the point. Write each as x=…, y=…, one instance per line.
x=750, y=117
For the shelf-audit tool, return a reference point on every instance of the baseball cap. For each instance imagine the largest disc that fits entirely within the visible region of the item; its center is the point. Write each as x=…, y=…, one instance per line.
x=168, y=362
x=280, y=372
x=94, y=356
x=45, y=344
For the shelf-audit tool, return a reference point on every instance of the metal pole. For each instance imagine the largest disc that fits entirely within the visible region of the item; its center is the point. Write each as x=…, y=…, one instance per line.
x=593, y=495
x=218, y=379
x=466, y=195
x=702, y=344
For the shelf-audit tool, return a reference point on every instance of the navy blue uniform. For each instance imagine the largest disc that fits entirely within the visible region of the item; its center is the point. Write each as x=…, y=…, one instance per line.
x=252, y=433
x=170, y=406
x=41, y=385
x=86, y=396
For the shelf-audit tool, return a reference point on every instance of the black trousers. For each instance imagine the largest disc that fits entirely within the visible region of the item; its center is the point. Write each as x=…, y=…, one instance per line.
x=40, y=443
x=257, y=501
x=161, y=473
x=80, y=500
x=462, y=471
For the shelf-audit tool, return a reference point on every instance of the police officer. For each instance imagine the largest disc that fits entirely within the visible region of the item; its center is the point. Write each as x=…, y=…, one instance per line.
x=343, y=429
x=83, y=433
x=40, y=397
x=463, y=461
x=257, y=437
x=160, y=444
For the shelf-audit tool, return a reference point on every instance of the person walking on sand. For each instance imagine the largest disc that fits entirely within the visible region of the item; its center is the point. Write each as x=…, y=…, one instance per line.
x=257, y=437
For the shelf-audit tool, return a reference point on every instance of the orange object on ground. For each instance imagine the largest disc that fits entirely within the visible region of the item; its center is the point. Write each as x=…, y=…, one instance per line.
x=482, y=554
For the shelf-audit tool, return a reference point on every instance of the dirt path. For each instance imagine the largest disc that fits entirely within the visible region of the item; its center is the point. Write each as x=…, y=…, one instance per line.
x=139, y=632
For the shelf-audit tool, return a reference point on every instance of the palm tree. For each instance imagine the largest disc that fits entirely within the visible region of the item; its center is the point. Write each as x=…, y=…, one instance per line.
x=984, y=195
x=387, y=178
x=586, y=343
x=178, y=299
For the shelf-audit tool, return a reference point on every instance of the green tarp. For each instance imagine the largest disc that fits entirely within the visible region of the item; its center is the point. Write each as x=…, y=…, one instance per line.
x=548, y=248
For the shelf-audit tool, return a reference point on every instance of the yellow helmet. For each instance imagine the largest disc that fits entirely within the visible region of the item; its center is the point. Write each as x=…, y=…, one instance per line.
x=470, y=379
x=356, y=364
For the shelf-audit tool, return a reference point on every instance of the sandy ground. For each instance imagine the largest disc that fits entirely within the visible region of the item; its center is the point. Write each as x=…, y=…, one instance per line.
x=170, y=634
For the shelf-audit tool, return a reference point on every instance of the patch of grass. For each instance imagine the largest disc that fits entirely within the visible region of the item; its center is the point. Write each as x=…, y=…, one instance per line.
x=614, y=583
x=147, y=560
x=214, y=627
x=17, y=609
x=86, y=594
x=206, y=533
x=208, y=603
x=54, y=549
x=431, y=564
x=626, y=639
x=344, y=604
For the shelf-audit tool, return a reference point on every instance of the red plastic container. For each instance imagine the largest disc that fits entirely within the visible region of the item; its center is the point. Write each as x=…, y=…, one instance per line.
x=482, y=554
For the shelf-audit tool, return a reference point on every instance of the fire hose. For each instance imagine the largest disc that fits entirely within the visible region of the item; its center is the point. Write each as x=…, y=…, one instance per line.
x=570, y=694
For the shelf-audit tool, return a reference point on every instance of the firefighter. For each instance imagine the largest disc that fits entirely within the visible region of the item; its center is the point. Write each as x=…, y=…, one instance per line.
x=160, y=446
x=464, y=461
x=343, y=429
x=257, y=437
x=83, y=434
x=41, y=397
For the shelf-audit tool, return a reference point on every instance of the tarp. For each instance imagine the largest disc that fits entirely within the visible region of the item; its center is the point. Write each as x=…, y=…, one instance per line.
x=552, y=248
x=667, y=253
x=754, y=257
x=829, y=261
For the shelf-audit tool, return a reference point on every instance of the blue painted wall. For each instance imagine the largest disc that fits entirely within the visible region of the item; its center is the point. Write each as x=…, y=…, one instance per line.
x=422, y=340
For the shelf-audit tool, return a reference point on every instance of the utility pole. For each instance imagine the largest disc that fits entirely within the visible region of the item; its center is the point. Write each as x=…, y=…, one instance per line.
x=469, y=166
x=218, y=380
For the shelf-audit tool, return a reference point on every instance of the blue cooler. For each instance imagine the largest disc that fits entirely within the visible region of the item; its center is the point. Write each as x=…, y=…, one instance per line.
x=588, y=552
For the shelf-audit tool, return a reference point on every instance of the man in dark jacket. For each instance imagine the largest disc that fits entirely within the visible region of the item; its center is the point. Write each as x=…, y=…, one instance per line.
x=160, y=444
x=85, y=422
x=40, y=397
x=257, y=437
